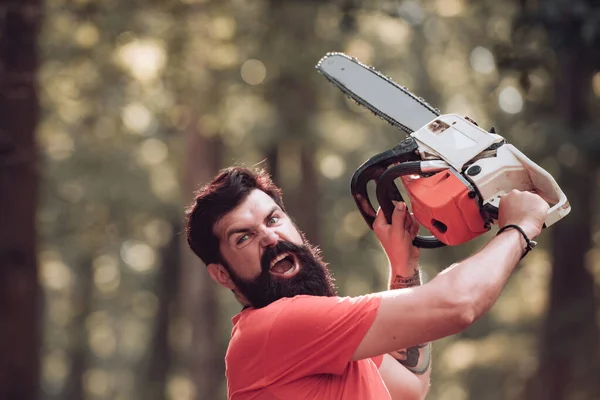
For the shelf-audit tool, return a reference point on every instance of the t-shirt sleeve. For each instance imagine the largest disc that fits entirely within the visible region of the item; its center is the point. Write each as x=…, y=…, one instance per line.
x=377, y=360
x=314, y=335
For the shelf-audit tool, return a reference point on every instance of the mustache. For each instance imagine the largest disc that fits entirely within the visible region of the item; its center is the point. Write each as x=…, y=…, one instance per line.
x=280, y=248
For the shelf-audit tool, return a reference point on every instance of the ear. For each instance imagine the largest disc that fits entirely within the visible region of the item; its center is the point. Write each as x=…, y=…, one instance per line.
x=220, y=275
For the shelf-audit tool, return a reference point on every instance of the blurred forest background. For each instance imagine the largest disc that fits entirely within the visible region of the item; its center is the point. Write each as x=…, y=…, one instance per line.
x=113, y=112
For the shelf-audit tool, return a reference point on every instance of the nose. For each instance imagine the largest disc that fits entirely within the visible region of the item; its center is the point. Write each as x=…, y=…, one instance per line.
x=269, y=237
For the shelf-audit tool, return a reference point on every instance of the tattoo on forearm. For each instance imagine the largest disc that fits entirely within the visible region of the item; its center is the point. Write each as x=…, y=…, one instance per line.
x=416, y=359
x=404, y=282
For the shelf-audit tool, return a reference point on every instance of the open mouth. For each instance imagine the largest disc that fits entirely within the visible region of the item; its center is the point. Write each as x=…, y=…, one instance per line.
x=284, y=265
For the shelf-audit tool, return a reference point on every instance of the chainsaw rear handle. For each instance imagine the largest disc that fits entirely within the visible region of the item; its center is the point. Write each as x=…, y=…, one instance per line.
x=387, y=191
x=537, y=179
x=546, y=187
x=372, y=170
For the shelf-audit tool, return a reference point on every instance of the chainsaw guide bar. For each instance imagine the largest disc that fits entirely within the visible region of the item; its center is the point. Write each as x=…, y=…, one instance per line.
x=346, y=72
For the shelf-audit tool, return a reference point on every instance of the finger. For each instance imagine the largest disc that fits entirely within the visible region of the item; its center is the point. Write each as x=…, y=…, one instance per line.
x=399, y=215
x=414, y=229
x=380, y=222
x=407, y=221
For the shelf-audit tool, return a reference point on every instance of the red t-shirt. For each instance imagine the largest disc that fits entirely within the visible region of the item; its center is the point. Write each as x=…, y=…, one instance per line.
x=301, y=348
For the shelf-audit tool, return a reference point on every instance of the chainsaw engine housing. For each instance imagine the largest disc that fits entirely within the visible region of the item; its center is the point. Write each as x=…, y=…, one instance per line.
x=447, y=205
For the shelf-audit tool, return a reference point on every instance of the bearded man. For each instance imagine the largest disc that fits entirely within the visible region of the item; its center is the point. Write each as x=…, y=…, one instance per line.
x=296, y=338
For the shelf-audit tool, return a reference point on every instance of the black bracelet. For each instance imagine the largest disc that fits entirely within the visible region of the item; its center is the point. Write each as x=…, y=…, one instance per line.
x=530, y=243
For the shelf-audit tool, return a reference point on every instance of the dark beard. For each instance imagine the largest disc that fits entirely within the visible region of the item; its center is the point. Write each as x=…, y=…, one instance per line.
x=313, y=277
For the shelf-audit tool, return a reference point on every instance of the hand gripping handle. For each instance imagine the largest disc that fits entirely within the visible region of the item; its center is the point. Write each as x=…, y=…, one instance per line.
x=540, y=181
x=387, y=191
x=545, y=185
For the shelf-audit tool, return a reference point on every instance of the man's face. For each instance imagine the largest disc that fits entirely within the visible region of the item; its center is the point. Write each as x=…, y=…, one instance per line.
x=266, y=256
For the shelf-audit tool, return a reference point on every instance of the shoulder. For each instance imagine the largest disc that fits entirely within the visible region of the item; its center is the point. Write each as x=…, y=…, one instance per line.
x=302, y=312
x=251, y=329
x=310, y=313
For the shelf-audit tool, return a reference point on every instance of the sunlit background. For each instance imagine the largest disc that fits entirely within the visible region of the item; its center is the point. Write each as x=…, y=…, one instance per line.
x=144, y=101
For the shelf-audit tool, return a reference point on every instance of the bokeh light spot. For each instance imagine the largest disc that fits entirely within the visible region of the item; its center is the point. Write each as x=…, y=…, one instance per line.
x=152, y=152
x=223, y=27
x=510, y=100
x=138, y=255
x=181, y=388
x=393, y=32
x=107, y=277
x=102, y=341
x=144, y=59
x=136, y=117
x=72, y=191
x=253, y=72
x=58, y=145
x=96, y=382
x=449, y=8
x=55, y=275
x=164, y=183
x=459, y=356
x=87, y=35
x=158, y=232
x=354, y=225
x=55, y=369
x=360, y=49
x=332, y=166
x=223, y=56
x=482, y=60
x=134, y=338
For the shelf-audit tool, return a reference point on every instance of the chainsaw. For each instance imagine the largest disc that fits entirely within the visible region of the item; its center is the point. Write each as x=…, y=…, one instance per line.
x=453, y=171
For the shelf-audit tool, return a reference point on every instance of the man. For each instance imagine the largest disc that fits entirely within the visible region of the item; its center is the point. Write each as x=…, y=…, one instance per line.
x=296, y=338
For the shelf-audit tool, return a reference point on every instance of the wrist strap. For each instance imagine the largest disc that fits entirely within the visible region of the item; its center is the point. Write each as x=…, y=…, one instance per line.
x=530, y=243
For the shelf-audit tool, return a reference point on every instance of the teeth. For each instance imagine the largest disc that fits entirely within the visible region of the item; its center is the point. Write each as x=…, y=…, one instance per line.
x=278, y=258
x=291, y=270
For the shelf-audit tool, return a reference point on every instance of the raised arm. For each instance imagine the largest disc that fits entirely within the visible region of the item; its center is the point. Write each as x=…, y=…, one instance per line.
x=459, y=295
x=406, y=372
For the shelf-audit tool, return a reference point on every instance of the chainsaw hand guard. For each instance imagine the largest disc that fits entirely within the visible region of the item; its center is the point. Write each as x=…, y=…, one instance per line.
x=372, y=170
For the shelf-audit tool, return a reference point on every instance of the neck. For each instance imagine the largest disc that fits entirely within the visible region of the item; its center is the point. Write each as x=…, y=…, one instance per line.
x=241, y=299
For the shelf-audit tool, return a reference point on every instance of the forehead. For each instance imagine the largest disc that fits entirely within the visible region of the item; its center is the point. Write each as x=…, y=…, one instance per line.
x=250, y=212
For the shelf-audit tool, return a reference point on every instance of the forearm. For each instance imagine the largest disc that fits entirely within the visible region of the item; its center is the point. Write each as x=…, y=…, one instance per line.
x=477, y=281
x=416, y=359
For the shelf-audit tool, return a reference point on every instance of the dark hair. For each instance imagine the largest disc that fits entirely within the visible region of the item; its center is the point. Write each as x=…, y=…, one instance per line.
x=227, y=190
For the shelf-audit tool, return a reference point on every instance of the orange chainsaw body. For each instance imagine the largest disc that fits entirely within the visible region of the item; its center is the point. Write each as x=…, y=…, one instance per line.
x=446, y=206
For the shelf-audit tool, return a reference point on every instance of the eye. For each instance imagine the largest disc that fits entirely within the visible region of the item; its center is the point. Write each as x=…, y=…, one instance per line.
x=243, y=238
x=273, y=220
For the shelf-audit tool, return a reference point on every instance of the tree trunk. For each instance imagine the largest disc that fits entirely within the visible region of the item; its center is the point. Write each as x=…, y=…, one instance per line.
x=293, y=94
x=80, y=353
x=569, y=345
x=160, y=362
x=19, y=290
x=198, y=296
x=570, y=342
